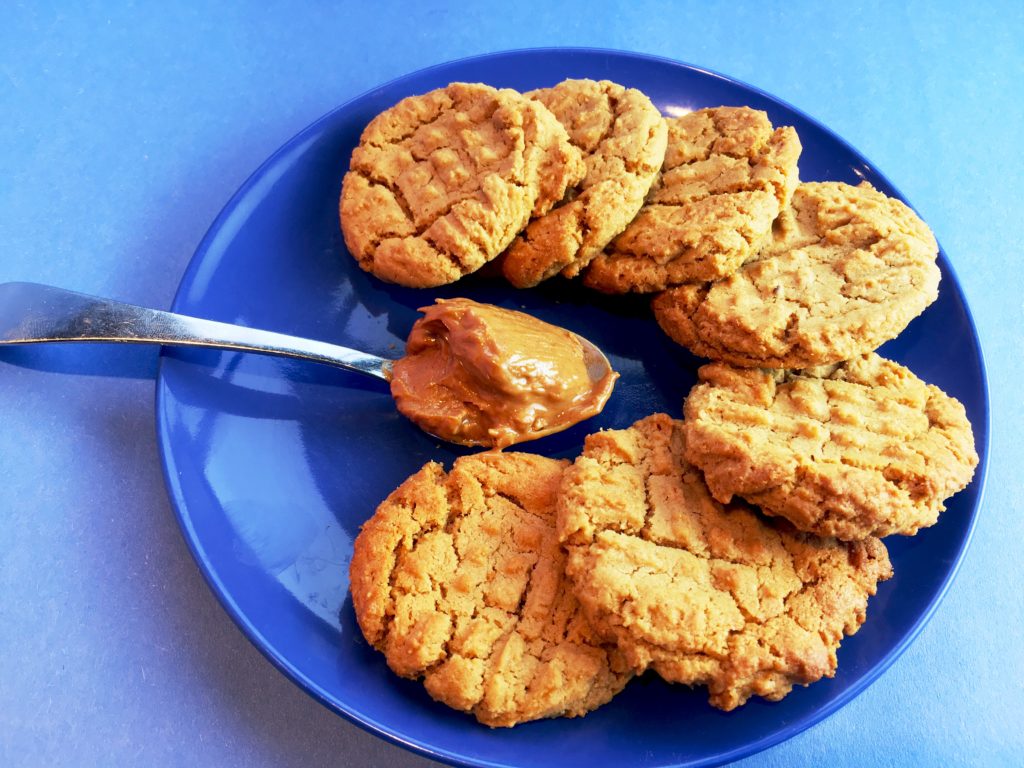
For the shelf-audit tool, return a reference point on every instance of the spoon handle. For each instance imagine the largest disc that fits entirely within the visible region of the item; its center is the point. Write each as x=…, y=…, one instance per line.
x=33, y=313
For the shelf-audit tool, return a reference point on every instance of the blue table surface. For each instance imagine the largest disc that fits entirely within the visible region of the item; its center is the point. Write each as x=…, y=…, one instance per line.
x=125, y=130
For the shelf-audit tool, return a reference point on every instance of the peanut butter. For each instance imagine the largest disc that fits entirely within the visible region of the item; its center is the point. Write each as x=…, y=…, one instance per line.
x=477, y=374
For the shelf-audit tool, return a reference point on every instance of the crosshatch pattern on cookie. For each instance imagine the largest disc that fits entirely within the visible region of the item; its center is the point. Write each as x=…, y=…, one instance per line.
x=441, y=183
x=622, y=137
x=704, y=593
x=727, y=174
x=458, y=578
x=860, y=449
x=846, y=270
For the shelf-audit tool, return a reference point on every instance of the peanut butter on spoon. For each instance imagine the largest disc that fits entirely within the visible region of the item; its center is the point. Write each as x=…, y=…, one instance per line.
x=477, y=374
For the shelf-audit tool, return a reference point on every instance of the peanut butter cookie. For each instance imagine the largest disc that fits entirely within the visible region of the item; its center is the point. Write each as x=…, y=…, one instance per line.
x=441, y=183
x=846, y=270
x=705, y=594
x=622, y=137
x=458, y=579
x=727, y=175
x=864, y=448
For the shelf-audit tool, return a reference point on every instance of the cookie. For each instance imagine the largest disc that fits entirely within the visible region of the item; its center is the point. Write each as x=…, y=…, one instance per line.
x=441, y=183
x=727, y=175
x=860, y=449
x=846, y=270
x=704, y=593
x=622, y=137
x=458, y=579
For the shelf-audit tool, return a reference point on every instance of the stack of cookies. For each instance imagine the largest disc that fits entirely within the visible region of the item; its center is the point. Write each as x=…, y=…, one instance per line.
x=733, y=548
x=444, y=183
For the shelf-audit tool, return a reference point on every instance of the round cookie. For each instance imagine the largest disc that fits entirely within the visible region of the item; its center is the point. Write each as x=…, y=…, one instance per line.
x=441, y=183
x=846, y=270
x=727, y=175
x=622, y=137
x=864, y=448
x=458, y=579
x=702, y=593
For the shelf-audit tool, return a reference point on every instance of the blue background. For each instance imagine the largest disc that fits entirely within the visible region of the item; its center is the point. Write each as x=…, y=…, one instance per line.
x=124, y=132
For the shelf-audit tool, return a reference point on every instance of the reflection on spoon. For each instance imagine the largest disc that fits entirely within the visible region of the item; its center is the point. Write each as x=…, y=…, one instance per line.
x=477, y=374
x=474, y=374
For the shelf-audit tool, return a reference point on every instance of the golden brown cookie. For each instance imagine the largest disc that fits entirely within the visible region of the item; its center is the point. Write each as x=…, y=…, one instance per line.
x=727, y=175
x=441, y=183
x=622, y=137
x=860, y=449
x=458, y=579
x=846, y=270
x=705, y=594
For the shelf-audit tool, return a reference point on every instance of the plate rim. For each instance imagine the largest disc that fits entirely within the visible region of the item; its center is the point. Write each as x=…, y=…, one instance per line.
x=380, y=730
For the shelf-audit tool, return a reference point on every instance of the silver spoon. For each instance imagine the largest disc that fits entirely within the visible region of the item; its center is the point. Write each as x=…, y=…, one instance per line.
x=31, y=313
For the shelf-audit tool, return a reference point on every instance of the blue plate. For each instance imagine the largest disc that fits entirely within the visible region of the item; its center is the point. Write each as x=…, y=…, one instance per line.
x=272, y=465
